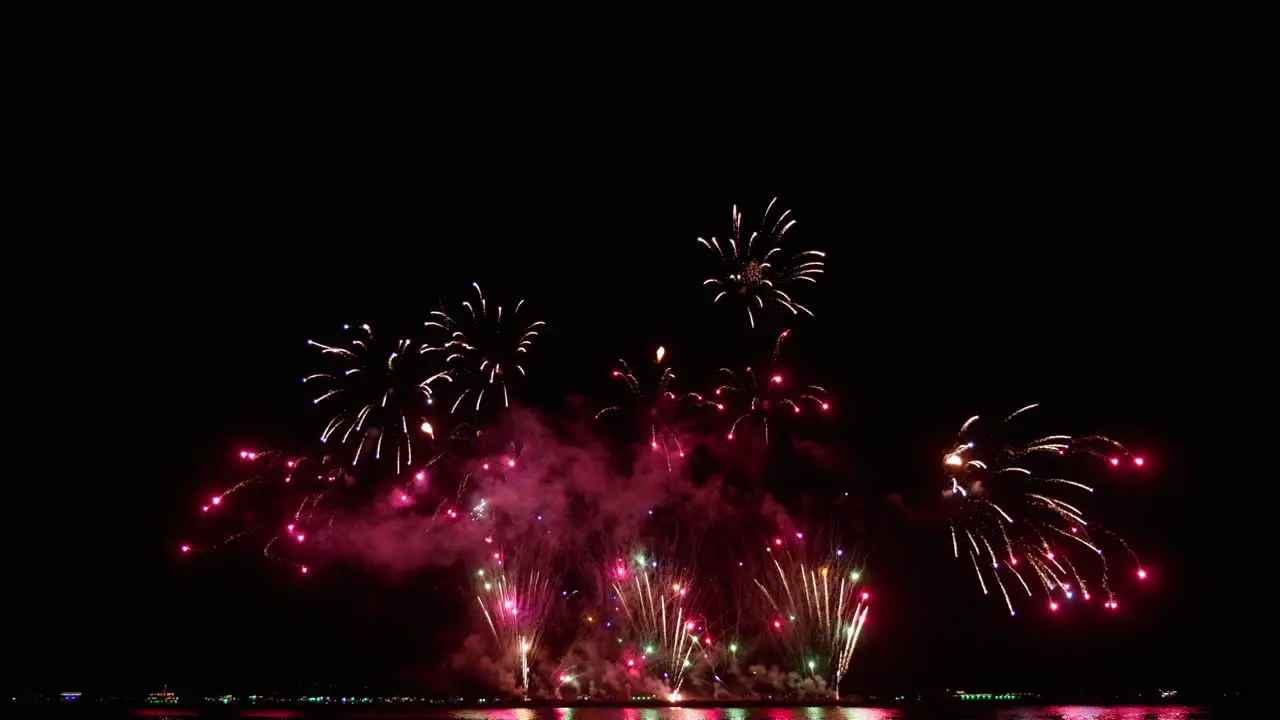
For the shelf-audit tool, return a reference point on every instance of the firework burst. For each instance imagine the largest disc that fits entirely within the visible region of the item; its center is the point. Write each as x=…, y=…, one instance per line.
x=1017, y=512
x=283, y=500
x=762, y=397
x=816, y=605
x=484, y=347
x=754, y=270
x=656, y=401
x=659, y=605
x=516, y=593
x=378, y=395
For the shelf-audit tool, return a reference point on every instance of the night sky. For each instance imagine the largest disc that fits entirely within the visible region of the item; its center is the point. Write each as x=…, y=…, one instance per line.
x=978, y=261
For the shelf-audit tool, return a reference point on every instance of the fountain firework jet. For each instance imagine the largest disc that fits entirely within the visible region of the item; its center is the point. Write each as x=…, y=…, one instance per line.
x=816, y=605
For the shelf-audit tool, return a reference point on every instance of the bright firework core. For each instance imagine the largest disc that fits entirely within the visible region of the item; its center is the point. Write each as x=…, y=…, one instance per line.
x=750, y=275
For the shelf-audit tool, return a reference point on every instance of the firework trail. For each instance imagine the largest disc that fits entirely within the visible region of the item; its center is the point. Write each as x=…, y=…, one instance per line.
x=659, y=605
x=292, y=492
x=659, y=404
x=1017, y=511
x=484, y=348
x=757, y=397
x=516, y=592
x=816, y=603
x=378, y=394
x=754, y=270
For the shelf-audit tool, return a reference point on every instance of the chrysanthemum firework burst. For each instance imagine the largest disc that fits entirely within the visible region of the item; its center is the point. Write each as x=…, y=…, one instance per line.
x=651, y=394
x=755, y=271
x=1017, y=511
x=484, y=347
x=378, y=392
x=760, y=397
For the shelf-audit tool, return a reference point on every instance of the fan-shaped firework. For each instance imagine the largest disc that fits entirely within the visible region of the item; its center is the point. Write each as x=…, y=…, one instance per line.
x=378, y=393
x=754, y=270
x=655, y=399
x=516, y=593
x=659, y=606
x=816, y=605
x=1016, y=511
x=483, y=347
x=757, y=397
x=282, y=499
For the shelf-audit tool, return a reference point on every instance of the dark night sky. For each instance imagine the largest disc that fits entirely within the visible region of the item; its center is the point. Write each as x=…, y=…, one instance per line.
x=1082, y=250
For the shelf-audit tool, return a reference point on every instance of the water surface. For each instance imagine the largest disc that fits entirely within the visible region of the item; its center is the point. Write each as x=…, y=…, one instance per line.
x=956, y=712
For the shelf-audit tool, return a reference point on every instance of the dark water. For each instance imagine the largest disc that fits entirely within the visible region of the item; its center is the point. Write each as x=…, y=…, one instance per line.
x=957, y=712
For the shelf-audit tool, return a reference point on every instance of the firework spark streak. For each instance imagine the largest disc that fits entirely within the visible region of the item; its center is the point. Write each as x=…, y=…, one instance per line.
x=759, y=396
x=818, y=606
x=1017, y=514
x=483, y=347
x=516, y=596
x=298, y=488
x=754, y=270
x=378, y=395
x=659, y=403
x=658, y=601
